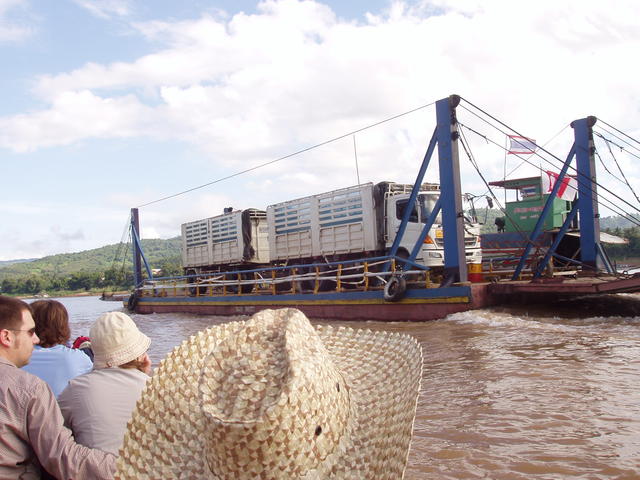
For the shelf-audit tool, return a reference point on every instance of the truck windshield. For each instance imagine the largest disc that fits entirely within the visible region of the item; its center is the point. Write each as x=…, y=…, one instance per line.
x=400, y=206
x=427, y=204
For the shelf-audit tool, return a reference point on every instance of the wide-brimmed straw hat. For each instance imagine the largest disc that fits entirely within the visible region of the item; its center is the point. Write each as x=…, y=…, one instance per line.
x=274, y=398
x=116, y=340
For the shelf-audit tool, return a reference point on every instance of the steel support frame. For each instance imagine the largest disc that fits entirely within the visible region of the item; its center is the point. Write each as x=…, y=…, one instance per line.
x=445, y=137
x=556, y=241
x=587, y=203
x=412, y=198
x=455, y=265
x=425, y=231
x=587, y=194
x=137, y=250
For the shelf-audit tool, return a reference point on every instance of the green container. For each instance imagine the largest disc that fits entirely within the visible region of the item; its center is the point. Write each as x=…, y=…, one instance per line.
x=523, y=214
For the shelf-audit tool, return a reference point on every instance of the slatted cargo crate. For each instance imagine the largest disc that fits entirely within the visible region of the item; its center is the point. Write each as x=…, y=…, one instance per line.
x=226, y=240
x=332, y=223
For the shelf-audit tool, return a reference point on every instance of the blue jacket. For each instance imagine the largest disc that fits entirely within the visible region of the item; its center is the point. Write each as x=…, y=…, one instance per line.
x=57, y=365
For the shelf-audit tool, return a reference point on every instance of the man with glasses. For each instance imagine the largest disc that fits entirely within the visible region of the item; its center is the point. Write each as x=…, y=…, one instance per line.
x=31, y=425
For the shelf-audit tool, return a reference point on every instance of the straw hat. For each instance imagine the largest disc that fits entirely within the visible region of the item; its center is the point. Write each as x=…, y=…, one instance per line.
x=274, y=398
x=115, y=340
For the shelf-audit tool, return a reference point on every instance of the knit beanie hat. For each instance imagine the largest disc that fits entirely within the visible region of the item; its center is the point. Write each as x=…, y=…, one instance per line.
x=116, y=340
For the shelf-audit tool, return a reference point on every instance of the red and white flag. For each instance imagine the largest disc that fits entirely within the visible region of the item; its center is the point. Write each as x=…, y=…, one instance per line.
x=521, y=145
x=568, y=188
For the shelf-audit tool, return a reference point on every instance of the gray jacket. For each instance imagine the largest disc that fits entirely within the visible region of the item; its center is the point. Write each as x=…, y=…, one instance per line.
x=97, y=406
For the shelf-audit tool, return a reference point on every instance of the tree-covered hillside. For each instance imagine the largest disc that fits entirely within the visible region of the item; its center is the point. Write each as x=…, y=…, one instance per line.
x=101, y=268
x=6, y=263
x=96, y=269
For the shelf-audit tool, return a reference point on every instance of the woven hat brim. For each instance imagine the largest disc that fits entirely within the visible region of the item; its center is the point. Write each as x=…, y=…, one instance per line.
x=166, y=436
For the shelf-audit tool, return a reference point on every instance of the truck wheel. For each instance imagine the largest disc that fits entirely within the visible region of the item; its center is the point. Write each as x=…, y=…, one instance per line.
x=327, y=285
x=395, y=289
x=306, y=286
x=243, y=288
x=309, y=285
x=192, y=280
x=132, y=302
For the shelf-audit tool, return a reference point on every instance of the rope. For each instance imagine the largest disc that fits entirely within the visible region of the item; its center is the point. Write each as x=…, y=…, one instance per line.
x=121, y=245
x=271, y=162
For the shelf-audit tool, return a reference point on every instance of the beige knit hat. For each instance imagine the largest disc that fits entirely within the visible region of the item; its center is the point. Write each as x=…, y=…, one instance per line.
x=115, y=340
x=274, y=398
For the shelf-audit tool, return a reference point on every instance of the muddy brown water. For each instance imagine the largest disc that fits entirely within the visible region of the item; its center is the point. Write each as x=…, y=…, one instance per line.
x=521, y=392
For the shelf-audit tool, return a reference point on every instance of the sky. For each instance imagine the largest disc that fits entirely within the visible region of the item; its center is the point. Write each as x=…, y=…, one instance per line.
x=106, y=105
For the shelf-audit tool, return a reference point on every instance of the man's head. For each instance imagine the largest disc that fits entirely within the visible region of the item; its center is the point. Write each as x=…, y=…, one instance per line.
x=17, y=331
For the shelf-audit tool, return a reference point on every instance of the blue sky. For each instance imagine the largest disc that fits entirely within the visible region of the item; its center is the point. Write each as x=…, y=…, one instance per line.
x=111, y=104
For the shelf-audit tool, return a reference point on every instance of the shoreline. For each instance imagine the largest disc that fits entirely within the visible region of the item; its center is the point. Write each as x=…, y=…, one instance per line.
x=67, y=295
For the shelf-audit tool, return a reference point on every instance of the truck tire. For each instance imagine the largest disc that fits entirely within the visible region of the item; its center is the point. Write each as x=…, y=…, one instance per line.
x=395, y=289
x=192, y=289
x=243, y=288
x=132, y=302
x=309, y=285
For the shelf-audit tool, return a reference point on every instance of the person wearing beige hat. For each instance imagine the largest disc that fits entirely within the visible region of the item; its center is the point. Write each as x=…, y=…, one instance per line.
x=273, y=397
x=97, y=406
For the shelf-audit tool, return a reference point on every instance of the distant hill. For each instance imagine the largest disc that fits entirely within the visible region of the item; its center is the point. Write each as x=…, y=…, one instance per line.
x=611, y=223
x=101, y=268
x=6, y=263
x=99, y=259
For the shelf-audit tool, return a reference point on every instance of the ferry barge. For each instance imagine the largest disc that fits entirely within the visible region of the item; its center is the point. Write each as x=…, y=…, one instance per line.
x=393, y=274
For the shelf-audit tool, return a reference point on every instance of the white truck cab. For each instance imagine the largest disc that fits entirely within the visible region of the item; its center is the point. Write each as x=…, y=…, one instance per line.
x=432, y=252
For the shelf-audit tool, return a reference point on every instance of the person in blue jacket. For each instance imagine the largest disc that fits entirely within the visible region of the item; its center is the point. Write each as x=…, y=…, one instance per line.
x=52, y=360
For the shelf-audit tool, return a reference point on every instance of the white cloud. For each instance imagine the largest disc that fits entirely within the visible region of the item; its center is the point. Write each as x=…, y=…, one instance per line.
x=246, y=89
x=14, y=22
x=74, y=116
x=106, y=8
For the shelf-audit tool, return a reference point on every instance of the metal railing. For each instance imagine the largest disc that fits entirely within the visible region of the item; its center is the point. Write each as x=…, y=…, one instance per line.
x=350, y=275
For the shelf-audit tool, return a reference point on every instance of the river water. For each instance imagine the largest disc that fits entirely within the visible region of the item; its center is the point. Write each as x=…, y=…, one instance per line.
x=512, y=393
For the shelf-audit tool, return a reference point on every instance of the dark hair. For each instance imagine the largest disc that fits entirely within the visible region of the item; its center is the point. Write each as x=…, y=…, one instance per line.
x=52, y=322
x=11, y=312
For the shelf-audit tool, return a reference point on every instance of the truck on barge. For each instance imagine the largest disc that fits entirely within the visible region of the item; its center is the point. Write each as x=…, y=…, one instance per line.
x=319, y=230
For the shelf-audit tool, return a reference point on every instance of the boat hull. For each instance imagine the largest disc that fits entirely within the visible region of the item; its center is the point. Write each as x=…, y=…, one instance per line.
x=417, y=305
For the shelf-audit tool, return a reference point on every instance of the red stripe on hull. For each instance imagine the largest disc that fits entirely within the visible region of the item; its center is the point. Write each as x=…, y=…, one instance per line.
x=385, y=312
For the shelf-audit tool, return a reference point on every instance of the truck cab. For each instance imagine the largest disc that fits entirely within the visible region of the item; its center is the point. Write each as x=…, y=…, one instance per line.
x=432, y=252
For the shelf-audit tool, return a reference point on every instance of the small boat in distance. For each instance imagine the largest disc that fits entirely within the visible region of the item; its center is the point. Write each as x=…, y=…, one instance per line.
x=114, y=297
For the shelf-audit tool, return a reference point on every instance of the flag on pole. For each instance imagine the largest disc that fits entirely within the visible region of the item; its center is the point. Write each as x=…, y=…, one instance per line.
x=521, y=145
x=567, y=190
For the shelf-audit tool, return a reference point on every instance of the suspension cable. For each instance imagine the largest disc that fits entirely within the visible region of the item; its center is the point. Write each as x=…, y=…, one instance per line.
x=467, y=149
x=603, y=199
x=619, y=146
x=621, y=133
x=619, y=168
x=271, y=162
x=122, y=245
x=580, y=177
x=604, y=165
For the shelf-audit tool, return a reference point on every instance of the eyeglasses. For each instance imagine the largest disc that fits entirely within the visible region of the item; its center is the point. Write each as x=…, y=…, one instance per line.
x=31, y=331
